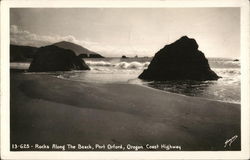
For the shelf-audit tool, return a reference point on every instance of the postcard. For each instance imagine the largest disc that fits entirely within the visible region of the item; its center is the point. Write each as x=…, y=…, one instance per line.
x=125, y=79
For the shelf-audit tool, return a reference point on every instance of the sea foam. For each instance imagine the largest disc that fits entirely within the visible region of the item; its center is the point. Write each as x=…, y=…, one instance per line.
x=120, y=65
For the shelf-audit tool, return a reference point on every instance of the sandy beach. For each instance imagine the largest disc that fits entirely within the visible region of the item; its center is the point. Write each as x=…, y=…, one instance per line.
x=48, y=110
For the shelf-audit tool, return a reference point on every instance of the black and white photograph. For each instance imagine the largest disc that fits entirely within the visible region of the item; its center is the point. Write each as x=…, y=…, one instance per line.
x=134, y=79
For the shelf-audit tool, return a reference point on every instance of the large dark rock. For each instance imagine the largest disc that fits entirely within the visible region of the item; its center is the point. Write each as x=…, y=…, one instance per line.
x=21, y=53
x=53, y=58
x=180, y=60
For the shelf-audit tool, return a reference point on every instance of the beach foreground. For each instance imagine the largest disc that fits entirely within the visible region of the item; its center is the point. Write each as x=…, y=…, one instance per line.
x=46, y=110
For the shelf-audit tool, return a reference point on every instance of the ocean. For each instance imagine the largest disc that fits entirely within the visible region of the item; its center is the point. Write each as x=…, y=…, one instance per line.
x=127, y=70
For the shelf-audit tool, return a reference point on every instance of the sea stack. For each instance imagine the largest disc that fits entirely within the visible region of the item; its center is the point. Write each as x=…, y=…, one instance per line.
x=180, y=60
x=53, y=58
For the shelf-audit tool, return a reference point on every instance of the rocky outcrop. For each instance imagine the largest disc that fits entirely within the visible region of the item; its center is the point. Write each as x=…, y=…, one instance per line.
x=90, y=56
x=95, y=56
x=180, y=60
x=53, y=58
x=83, y=56
x=21, y=53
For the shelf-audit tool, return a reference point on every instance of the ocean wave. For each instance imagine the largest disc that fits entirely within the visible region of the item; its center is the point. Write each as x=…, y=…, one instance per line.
x=19, y=65
x=227, y=72
x=99, y=63
x=224, y=64
x=230, y=76
x=132, y=65
x=120, y=65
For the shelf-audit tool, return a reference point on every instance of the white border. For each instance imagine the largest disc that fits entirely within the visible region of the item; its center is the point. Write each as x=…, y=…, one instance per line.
x=5, y=39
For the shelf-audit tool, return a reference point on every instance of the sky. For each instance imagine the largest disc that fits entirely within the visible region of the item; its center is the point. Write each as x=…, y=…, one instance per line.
x=113, y=32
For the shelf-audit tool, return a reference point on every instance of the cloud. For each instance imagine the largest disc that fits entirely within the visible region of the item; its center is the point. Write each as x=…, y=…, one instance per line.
x=19, y=36
x=23, y=37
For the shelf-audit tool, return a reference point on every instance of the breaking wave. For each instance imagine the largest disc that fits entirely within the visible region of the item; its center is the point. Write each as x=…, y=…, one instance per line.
x=19, y=65
x=227, y=72
x=120, y=65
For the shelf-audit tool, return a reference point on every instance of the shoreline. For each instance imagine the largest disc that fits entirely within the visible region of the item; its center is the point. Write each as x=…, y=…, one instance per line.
x=60, y=111
x=142, y=85
x=202, y=98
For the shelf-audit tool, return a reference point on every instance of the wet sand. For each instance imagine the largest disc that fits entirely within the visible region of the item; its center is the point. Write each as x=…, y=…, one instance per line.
x=48, y=110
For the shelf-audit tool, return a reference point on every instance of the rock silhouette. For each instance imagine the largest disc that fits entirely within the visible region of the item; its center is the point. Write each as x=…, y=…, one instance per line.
x=53, y=58
x=180, y=60
x=95, y=56
x=90, y=56
x=21, y=53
